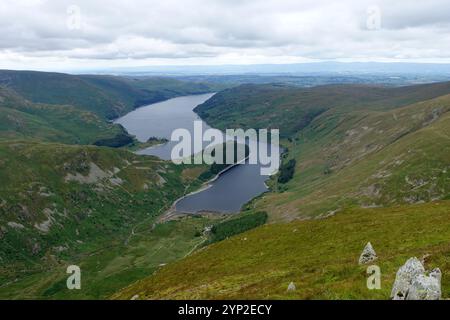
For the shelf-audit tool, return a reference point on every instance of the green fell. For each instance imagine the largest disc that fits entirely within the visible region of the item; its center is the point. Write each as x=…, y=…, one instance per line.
x=319, y=256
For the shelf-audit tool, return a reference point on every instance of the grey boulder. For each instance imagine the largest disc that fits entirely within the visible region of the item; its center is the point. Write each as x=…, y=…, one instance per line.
x=291, y=287
x=412, y=282
x=368, y=254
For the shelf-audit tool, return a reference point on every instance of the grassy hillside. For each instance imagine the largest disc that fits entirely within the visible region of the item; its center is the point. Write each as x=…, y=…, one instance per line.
x=112, y=266
x=73, y=109
x=361, y=149
x=21, y=119
x=107, y=96
x=372, y=165
x=63, y=202
x=292, y=109
x=61, y=205
x=319, y=256
x=368, y=160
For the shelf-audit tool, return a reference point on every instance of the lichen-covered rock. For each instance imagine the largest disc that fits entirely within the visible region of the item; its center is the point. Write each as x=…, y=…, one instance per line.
x=368, y=254
x=412, y=282
x=436, y=273
x=426, y=287
x=404, y=278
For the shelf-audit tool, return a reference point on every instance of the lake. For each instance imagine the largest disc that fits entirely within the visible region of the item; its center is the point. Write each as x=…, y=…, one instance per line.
x=230, y=191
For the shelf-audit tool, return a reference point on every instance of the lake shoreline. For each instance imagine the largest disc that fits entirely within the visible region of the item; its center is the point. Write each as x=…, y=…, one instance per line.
x=224, y=193
x=206, y=185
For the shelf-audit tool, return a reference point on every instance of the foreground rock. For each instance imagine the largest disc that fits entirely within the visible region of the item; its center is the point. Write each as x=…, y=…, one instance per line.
x=368, y=254
x=291, y=287
x=412, y=282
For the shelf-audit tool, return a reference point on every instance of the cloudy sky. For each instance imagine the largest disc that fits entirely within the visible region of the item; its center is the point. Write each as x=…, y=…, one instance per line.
x=70, y=35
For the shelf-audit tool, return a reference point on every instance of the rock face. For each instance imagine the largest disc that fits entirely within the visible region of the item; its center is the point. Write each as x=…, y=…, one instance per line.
x=412, y=282
x=368, y=254
x=404, y=278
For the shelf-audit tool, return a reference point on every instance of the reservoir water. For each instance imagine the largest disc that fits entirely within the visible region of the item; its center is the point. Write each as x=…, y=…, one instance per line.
x=230, y=191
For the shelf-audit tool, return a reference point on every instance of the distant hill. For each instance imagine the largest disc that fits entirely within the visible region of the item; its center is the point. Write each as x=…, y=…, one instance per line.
x=353, y=145
x=20, y=118
x=76, y=109
x=307, y=68
x=292, y=108
x=107, y=96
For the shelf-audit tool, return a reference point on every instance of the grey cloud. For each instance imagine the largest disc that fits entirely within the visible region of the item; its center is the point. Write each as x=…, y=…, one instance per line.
x=206, y=29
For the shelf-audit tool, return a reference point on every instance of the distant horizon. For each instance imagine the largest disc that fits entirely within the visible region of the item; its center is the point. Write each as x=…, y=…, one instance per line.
x=263, y=68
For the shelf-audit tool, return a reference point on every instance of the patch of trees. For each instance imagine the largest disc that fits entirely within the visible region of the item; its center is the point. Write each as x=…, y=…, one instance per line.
x=232, y=227
x=120, y=140
x=287, y=171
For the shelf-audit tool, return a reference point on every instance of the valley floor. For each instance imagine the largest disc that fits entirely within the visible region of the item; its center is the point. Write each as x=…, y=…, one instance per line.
x=114, y=266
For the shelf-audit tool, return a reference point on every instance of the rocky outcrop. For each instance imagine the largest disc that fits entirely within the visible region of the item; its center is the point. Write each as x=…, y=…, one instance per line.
x=368, y=254
x=412, y=282
x=95, y=174
x=15, y=225
x=426, y=287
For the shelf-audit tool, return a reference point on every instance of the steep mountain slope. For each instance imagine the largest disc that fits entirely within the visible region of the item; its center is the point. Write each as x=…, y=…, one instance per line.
x=319, y=256
x=367, y=159
x=68, y=192
x=62, y=89
x=138, y=91
x=292, y=109
x=353, y=145
x=62, y=205
x=20, y=118
x=107, y=96
x=72, y=109
x=63, y=202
